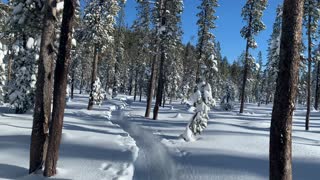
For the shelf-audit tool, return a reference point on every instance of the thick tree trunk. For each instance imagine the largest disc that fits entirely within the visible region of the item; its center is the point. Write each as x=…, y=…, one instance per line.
x=316, y=102
x=42, y=109
x=309, y=72
x=160, y=86
x=284, y=100
x=152, y=84
x=60, y=85
x=93, y=77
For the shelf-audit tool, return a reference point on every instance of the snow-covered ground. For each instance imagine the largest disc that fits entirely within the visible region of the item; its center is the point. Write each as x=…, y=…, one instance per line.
x=233, y=146
x=129, y=146
x=92, y=146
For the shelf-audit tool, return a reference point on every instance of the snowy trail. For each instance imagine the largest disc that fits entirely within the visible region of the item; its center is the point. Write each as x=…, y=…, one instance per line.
x=154, y=162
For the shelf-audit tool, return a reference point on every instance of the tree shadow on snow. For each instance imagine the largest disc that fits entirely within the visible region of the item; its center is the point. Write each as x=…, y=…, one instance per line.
x=12, y=172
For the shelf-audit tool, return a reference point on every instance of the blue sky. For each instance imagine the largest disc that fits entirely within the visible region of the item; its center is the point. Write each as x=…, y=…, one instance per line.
x=229, y=25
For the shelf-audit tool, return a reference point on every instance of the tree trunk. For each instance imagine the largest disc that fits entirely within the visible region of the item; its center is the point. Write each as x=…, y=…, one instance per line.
x=309, y=72
x=81, y=83
x=93, y=77
x=160, y=88
x=284, y=100
x=72, y=85
x=160, y=85
x=151, y=87
x=136, y=85
x=246, y=68
x=316, y=102
x=140, y=91
x=10, y=66
x=60, y=85
x=42, y=109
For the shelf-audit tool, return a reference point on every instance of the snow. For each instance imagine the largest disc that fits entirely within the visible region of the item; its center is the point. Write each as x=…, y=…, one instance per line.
x=232, y=146
x=60, y=6
x=116, y=141
x=30, y=43
x=92, y=146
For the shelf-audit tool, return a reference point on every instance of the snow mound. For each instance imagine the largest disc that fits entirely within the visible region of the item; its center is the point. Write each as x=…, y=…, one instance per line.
x=191, y=109
x=178, y=115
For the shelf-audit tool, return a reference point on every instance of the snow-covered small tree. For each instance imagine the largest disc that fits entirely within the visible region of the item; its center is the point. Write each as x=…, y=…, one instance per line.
x=98, y=93
x=203, y=100
x=227, y=101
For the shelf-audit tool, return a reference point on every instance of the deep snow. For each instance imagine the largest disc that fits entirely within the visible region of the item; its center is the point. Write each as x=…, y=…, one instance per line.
x=233, y=146
x=129, y=146
x=92, y=147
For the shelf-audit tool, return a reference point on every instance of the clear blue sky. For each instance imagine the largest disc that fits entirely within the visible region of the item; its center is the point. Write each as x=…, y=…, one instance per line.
x=229, y=25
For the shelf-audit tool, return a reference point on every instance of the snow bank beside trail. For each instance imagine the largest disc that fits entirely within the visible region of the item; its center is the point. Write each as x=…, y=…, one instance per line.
x=233, y=146
x=92, y=146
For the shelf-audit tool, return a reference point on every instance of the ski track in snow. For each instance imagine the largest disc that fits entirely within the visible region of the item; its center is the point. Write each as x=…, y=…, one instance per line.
x=154, y=162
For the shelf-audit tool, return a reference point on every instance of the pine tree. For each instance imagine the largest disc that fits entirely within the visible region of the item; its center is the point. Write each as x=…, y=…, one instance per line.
x=252, y=13
x=281, y=123
x=99, y=20
x=141, y=27
x=258, y=79
x=169, y=32
x=272, y=66
x=206, y=41
x=189, y=63
x=311, y=22
x=317, y=93
x=119, y=49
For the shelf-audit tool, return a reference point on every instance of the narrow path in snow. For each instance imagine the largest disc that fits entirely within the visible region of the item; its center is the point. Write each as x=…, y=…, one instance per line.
x=154, y=161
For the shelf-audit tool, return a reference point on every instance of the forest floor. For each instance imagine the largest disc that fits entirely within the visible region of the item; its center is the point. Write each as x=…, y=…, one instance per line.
x=233, y=147
x=92, y=147
x=126, y=145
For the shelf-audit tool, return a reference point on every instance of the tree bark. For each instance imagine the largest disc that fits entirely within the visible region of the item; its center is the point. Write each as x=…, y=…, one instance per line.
x=42, y=109
x=246, y=67
x=136, y=85
x=93, y=77
x=316, y=102
x=309, y=71
x=284, y=100
x=152, y=82
x=160, y=89
x=160, y=86
x=72, y=84
x=10, y=66
x=81, y=83
x=151, y=87
x=60, y=85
